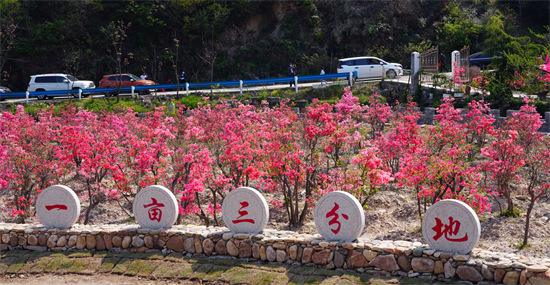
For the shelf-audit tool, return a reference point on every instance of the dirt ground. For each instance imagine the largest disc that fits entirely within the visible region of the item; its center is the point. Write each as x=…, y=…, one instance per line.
x=393, y=215
x=96, y=279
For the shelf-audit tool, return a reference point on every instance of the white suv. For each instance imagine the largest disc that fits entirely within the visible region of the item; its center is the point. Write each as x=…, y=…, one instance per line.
x=368, y=66
x=57, y=81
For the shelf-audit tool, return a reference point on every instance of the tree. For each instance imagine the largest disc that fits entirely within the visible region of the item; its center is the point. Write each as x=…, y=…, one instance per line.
x=10, y=12
x=116, y=32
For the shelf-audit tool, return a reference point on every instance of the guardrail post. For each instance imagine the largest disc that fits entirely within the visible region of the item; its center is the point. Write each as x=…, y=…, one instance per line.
x=133, y=88
x=415, y=72
x=350, y=79
x=187, y=88
x=241, y=86
x=27, y=97
x=296, y=83
x=79, y=94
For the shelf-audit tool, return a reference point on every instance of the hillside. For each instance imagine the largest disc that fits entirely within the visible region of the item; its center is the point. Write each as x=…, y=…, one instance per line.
x=238, y=39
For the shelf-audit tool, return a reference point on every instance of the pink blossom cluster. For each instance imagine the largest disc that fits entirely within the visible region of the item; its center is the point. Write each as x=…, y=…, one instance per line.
x=293, y=158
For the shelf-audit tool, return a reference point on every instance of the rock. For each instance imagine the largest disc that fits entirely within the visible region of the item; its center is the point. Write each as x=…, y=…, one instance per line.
x=511, y=278
x=52, y=241
x=499, y=275
x=90, y=241
x=245, y=250
x=232, y=248
x=148, y=240
x=293, y=252
x=369, y=254
x=80, y=242
x=117, y=241
x=523, y=277
x=487, y=273
x=540, y=278
x=198, y=245
x=5, y=238
x=72, y=241
x=306, y=255
x=468, y=273
x=175, y=243
x=137, y=241
x=422, y=265
x=208, y=246
x=271, y=254
x=418, y=251
x=36, y=248
x=339, y=259
x=404, y=263
x=126, y=242
x=256, y=251
x=281, y=255
x=42, y=239
x=537, y=268
x=356, y=259
x=108, y=241
x=189, y=245
x=461, y=257
x=62, y=241
x=449, y=270
x=438, y=268
x=99, y=242
x=32, y=240
x=321, y=257
x=22, y=241
x=263, y=254
x=220, y=248
x=385, y=262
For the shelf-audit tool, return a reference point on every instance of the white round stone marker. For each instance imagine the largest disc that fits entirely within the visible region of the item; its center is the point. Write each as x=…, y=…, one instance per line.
x=452, y=226
x=339, y=217
x=244, y=210
x=155, y=207
x=58, y=207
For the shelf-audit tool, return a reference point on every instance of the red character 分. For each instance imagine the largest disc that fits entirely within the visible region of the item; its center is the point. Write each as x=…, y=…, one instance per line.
x=334, y=219
x=243, y=213
x=58, y=207
x=155, y=213
x=448, y=230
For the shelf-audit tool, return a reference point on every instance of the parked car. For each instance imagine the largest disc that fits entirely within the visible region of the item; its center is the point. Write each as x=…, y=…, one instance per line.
x=57, y=81
x=368, y=67
x=126, y=80
x=481, y=60
x=3, y=90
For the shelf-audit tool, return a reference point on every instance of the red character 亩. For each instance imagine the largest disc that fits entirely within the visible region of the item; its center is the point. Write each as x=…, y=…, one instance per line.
x=243, y=213
x=334, y=219
x=155, y=213
x=448, y=230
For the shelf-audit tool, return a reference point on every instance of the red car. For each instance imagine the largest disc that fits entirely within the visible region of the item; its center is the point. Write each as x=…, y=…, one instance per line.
x=112, y=81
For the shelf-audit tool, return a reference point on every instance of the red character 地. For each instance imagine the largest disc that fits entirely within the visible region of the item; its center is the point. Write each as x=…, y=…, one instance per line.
x=243, y=213
x=155, y=213
x=448, y=230
x=58, y=207
x=334, y=219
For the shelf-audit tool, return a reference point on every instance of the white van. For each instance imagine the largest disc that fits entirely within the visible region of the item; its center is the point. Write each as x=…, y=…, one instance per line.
x=368, y=67
x=57, y=81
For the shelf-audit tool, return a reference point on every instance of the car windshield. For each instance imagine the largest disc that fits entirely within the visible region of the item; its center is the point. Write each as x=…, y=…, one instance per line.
x=72, y=78
x=134, y=77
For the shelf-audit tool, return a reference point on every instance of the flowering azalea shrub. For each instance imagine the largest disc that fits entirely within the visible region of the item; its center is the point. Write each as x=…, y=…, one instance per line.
x=294, y=158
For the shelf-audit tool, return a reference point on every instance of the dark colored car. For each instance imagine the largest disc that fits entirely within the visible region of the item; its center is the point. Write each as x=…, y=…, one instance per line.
x=127, y=79
x=481, y=59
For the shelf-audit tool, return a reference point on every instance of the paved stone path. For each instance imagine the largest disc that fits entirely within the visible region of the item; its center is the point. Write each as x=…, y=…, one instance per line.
x=24, y=267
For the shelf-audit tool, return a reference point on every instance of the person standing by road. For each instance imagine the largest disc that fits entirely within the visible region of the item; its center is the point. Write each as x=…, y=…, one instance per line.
x=143, y=76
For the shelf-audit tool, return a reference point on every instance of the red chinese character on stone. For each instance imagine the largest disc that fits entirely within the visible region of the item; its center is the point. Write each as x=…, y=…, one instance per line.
x=334, y=219
x=448, y=230
x=243, y=213
x=154, y=213
x=58, y=207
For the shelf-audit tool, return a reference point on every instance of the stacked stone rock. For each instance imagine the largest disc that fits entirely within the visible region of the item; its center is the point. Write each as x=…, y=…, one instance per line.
x=395, y=258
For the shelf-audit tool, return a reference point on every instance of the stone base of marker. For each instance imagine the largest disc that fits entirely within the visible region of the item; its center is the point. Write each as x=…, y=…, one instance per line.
x=395, y=258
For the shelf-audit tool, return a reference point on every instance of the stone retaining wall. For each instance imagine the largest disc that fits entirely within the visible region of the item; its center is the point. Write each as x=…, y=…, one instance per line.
x=397, y=258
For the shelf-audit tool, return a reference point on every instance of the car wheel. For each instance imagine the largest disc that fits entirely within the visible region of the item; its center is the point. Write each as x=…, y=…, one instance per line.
x=391, y=74
x=41, y=97
x=75, y=95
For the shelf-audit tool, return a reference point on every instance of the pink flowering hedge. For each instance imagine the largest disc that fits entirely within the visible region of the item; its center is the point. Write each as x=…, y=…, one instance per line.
x=204, y=153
